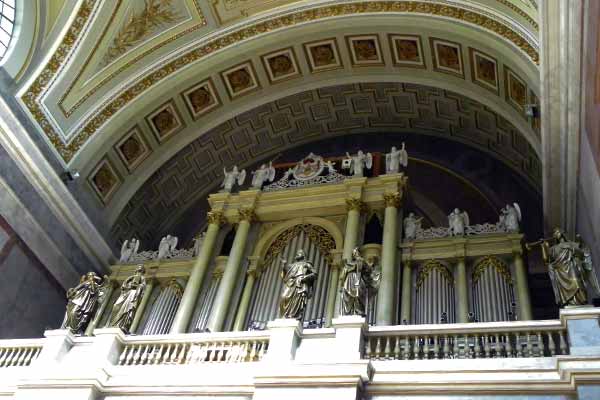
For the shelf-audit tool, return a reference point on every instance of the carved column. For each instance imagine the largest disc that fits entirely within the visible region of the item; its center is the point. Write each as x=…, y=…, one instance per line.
x=387, y=289
x=522, y=288
x=355, y=207
x=252, y=274
x=336, y=264
x=462, y=306
x=194, y=284
x=405, y=306
x=139, y=313
x=234, y=263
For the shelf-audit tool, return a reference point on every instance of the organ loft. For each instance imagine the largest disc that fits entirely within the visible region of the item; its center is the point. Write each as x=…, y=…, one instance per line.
x=284, y=199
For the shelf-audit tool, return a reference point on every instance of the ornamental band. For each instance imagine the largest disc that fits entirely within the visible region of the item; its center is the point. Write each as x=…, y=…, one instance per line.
x=124, y=308
x=298, y=279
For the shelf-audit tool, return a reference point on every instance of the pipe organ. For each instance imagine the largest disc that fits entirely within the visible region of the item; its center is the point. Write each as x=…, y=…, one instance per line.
x=428, y=278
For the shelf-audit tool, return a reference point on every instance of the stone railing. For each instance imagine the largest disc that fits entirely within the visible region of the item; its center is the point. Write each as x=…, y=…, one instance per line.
x=463, y=341
x=231, y=347
x=19, y=353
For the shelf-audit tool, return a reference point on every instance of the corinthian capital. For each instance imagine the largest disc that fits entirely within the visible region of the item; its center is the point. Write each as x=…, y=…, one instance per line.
x=215, y=217
x=392, y=199
x=247, y=214
x=355, y=204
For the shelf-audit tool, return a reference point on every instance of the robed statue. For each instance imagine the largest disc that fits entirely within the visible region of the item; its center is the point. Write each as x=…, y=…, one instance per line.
x=569, y=267
x=298, y=282
x=457, y=221
x=132, y=290
x=232, y=177
x=395, y=158
x=360, y=283
x=266, y=173
x=358, y=162
x=82, y=301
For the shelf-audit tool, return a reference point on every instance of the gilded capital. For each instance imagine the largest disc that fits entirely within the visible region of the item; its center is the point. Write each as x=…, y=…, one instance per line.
x=392, y=199
x=355, y=204
x=215, y=217
x=247, y=214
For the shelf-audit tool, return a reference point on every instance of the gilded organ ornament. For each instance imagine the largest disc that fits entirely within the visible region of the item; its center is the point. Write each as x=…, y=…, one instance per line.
x=298, y=280
x=83, y=300
x=132, y=290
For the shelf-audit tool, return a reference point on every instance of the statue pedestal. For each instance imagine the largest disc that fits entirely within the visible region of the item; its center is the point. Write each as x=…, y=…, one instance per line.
x=58, y=343
x=285, y=337
x=349, y=336
x=583, y=326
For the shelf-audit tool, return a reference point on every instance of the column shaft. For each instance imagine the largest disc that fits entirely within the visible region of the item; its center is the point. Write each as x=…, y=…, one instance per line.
x=332, y=295
x=405, y=307
x=194, y=283
x=139, y=313
x=227, y=284
x=387, y=288
x=350, y=240
x=522, y=289
x=462, y=308
x=244, y=303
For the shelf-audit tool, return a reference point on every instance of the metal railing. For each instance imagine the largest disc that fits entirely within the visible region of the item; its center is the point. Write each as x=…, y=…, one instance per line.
x=475, y=340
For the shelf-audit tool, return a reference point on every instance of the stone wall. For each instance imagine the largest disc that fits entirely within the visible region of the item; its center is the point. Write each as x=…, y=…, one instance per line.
x=30, y=298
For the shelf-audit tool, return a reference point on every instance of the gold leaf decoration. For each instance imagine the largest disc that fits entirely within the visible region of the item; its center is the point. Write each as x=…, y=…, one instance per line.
x=155, y=15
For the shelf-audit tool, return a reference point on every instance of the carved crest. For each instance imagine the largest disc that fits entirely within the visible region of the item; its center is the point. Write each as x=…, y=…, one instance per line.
x=309, y=167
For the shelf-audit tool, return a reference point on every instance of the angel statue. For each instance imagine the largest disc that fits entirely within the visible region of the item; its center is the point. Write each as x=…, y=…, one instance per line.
x=411, y=225
x=510, y=216
x=298, y=282
x=360, y=283
x=167, y=245
x=232, y=177
x=132, y=290
x=198, y=240
x=569, y=267
x=263, y=174
x=395, y=158
x=358, y=162
x=129, y=249
x=82, y=301
x=457, y=221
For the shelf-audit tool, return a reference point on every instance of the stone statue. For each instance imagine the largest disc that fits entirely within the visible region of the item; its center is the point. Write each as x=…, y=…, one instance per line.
x=330, y=165
x=395, y=158
x=298, y=280
x=569, y=268
x=132, y=290
x=359, y=162
x=510, y=216
x=82, y=301
x=198, y=240
x=232, y=177
x=263, y=174
x=411, y=226
x=166, y=246
x=457, y=221
x=360, y=282
x=129, y=249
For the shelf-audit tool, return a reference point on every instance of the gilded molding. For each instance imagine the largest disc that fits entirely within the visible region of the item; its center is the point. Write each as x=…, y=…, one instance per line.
x=32, y=98
x=216, y=217
x=392, y=199
x=356, y=204
x=247, y=214
x=522, y=13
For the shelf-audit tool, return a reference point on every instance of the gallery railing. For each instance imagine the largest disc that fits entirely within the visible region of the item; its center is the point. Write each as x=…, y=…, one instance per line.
x=474, y=340
x=230, y=347
x=19, y=353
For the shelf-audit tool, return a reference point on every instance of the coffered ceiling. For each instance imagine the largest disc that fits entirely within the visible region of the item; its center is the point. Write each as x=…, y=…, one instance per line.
x=128, y=85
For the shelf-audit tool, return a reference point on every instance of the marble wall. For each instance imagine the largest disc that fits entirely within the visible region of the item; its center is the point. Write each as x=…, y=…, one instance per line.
x=30, y=298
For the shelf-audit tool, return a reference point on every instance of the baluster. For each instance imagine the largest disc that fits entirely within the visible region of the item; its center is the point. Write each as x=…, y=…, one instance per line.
x=156, y=352
x=378, y=348
x=551, y=345
x=15, y=357
x=23, y=356
x=540, y=344
x=191, y=353
x=253, y=351
x=263, y=349
x=144, y=357
x=562, y=343
x=529, y=344
x=138, y=355
x=244, y=352
x=388, y=349
x=416, y=351
x=237, y=355
x=174, y=356
x=368, y=351
x=477, y=347
x=446, y=348
x=436, y=347
x=164, y=355
x=8, y=355
x=3, y=354
x=486, y=346
x=23, y=361
x=426, y=348
x=130, y=355
x=456, y=352
x=509, y=348
x=499, y=346
x=406, y=349
x=202, y=352
x=122, y=357
x=397, y=348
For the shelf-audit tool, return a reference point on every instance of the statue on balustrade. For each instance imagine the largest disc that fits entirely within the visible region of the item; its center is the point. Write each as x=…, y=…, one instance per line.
x=510, y=217
x=198, y=240
x=359, y=162
x=411, y=225
x=570, y=268
x=298, y=280
x=232, y=177
x=457, y=221
x=263, y=174
x=167, y=245
x=82, y=301
x=129, y=249
x=132, y=290
x=395, y=158
x=360, y=283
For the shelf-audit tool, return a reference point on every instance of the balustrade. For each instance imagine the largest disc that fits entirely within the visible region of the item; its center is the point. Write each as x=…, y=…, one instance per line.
x=484, y=340
x=188, y=351
x=19, y=355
